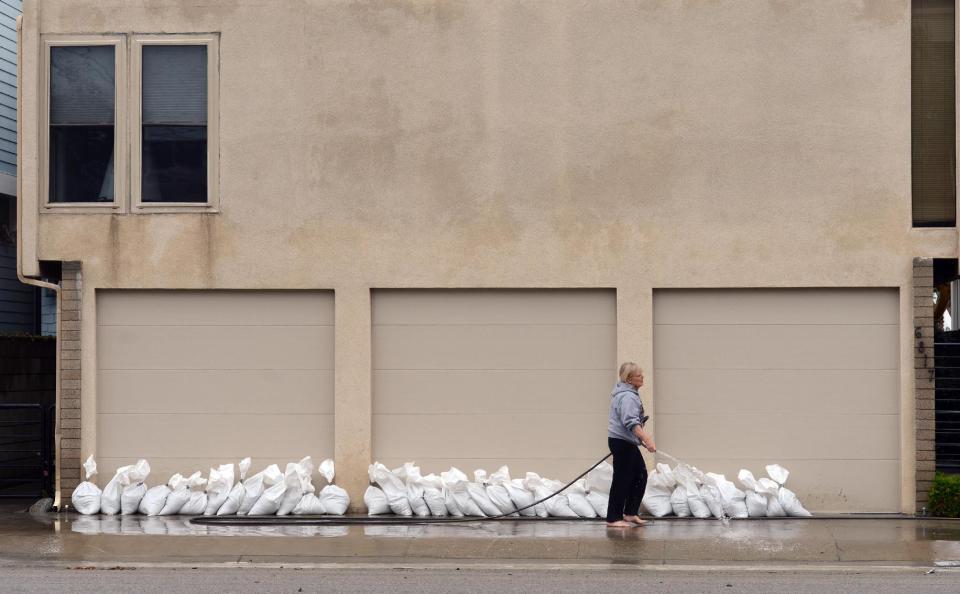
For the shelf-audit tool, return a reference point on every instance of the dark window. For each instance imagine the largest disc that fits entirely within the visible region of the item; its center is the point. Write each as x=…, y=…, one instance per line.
x=933, y=114
x=82, y=102
x=174, y=134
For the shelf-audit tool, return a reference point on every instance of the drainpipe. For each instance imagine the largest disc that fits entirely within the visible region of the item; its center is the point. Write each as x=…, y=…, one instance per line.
x=35, y=281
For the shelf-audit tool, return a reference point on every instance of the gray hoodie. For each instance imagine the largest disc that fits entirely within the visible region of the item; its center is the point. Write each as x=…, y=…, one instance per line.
x=626, y=412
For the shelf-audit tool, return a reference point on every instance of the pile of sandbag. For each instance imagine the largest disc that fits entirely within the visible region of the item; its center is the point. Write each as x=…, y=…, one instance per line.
x=404, y=491
x=684, y=491
x=222, y=493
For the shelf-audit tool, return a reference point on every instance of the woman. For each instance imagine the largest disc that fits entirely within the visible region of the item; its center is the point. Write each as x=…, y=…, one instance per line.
x=624, y=433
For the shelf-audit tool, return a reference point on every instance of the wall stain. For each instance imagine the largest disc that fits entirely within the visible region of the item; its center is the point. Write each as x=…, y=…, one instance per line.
x=885, y=13
x=113, y=235
x=383, y=16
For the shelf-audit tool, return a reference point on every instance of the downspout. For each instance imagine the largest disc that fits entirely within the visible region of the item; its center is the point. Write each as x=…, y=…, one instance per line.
x=35, y=281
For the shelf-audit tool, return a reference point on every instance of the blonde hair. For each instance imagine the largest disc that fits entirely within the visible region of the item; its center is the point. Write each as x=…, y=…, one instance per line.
x=629, y=369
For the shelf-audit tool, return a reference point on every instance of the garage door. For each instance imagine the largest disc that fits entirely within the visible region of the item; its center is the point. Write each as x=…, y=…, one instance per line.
x=477, y=378
x=189, y=379
x=807, y=378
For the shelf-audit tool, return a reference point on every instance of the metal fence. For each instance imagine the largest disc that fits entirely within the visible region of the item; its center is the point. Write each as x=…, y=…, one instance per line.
x=26, y=450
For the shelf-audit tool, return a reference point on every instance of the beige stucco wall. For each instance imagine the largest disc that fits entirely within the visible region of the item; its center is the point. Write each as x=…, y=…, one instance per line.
x=622, y=144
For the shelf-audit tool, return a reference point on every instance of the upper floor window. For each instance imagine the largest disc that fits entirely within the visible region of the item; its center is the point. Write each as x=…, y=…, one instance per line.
x=933, y=100
x=82, y=136
x=143, y=139
x=174, y=147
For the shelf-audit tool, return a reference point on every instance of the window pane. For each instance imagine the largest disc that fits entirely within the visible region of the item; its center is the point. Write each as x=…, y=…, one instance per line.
x=82, y=105
x=934, y=113
x=175, y=84
x=81, y=164
x=174, y=164
x=82, y=85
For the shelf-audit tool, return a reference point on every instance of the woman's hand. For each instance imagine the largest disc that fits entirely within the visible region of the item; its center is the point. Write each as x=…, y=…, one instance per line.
x=651, y=447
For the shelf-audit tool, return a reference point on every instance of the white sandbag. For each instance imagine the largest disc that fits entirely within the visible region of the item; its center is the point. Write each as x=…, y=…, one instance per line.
x=711, y=496
x=600, y=478
x=376, y=501
x=130, y=498
x=179, y=494
x=756, y=502
x=198, y=497
x=86, y=497
x=393, y=487
x=235, y=497
x=771, y=490
x=531, y=483
x=135, y=488
x=269, y=502
x=500, y=497
x=731, y=498
x=660, y=485
x=791, y=504
x=599, y=502
x=155, y=498
x=407, y=471
x=195, y=505
x=577, y=499
x=521, y=497
x=297, y=477
x=478, y=491
x=255, y=486
x=309, y=505
x=432, y=486
x=326, y=470
x=110, y=498
x=219, y=483
x=689, y=478
x=465, y=502
x=785, y=497
x=454, y=493
x=411, y=477
x=778, y=473
x=500, y=477
x=497, y=491
x=417, y=503
x=557, y=506
x=334, y=500
x=450, y=502
x=678, y=502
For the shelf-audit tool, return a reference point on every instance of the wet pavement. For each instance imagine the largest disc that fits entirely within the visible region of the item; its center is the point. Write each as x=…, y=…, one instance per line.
x=77, y=540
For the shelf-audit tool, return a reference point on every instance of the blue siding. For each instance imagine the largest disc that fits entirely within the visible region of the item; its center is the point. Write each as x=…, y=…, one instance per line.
x=18, y=302
x=9, y=10
x=18, y=306
x=48, y=312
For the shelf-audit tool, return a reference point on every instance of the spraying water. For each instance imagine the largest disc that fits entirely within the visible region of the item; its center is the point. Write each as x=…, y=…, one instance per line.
x=724, y=518
x=666, y=455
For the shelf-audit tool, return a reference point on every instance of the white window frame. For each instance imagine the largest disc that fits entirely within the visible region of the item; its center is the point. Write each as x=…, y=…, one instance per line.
x=119, y=124
x=211, y=40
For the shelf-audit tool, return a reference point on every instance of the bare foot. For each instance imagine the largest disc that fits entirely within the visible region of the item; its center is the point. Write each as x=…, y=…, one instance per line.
x=635, y=520
x=620, y=524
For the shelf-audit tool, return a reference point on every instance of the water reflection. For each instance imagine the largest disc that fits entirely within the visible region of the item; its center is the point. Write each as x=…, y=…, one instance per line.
x=743, y=533
x=181, y=526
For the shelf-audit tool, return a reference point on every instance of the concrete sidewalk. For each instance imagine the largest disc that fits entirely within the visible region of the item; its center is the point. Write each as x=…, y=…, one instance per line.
x=70, y=539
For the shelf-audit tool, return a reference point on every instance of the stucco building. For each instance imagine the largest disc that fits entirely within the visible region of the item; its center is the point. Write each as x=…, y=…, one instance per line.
x=431, y=230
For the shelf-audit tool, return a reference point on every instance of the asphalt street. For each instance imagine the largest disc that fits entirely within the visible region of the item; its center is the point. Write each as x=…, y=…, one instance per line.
x=186, y=580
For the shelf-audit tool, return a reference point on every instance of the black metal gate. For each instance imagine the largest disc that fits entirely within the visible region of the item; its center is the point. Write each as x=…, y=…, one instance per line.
x=26, y=450
x=947, y=353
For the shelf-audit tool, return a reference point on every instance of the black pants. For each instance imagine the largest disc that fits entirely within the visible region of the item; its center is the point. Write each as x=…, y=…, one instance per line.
x=629, y=480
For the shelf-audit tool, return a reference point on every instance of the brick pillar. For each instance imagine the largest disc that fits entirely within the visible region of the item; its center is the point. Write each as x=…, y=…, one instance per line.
x=68, y=423
x=924, y=375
